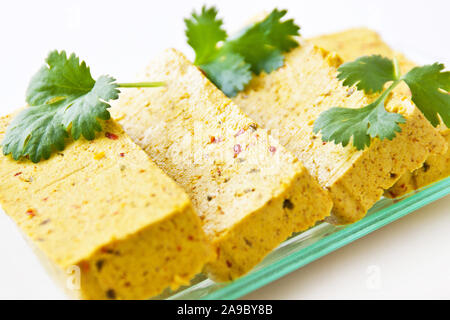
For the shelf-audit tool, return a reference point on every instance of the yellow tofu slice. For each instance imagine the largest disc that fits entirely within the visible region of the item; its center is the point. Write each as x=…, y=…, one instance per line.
x=353, y=43
x=357, y=42
x=105, y=218
x=250, y=193
x=289, y=100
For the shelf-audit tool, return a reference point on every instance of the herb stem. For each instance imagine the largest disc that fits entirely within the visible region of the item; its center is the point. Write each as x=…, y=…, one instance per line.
x=141, y=84
x=384, y=95
x=391, y=87
x=397, y=68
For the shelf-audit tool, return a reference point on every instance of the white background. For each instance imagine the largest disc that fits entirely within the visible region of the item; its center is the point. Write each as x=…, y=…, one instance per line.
x=407, y=259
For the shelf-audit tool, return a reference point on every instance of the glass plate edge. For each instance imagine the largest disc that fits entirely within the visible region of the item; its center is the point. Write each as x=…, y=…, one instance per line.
x=296, y=260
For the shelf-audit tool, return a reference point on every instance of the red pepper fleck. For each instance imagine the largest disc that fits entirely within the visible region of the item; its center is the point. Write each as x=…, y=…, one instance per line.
x=111, y=136
x=106, y=250
x=45, y=199
x=18, y=173
x=324, y=143
x=84, y=266
x=241, y=131
x=122, y=154
x=31, y=213
x=272, y=149
x=237, y=149
x=215, y=140
x=190, y=238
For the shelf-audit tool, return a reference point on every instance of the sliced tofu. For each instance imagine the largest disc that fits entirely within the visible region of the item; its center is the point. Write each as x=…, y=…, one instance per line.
x=353, y=43
x=289, y=100
x=250, y=193
x=357, y=42
x=103, y=216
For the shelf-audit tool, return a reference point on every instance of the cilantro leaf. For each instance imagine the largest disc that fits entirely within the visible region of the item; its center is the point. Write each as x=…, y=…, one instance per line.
x=59, y=78
x=82, y=111
x=67, y=80
x=35, y=132
x=63, y=99
x=383, y=124
x=228, y=63
x=262, y=45
x=429, y=88
x=369, y=73
x=229, y=72
x=63, y=95
x=430, y=92
x=342, y=124
x=38, y=130
x=203, y=32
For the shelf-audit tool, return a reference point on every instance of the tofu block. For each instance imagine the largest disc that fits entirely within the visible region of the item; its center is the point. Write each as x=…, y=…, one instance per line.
x=250, y=193
x=357, y=42
x=353, y=43
x=289, y=100
x=104, y=217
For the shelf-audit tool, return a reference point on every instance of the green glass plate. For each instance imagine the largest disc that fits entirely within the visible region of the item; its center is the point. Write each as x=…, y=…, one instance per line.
x=305, y=247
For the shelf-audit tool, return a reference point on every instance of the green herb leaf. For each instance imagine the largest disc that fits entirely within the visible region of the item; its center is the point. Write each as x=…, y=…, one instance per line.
x=204, y=31
x=342, y=124
x=369, y=73
x=430, y=92
x=81, y=112
x=59, y=78
x=263, y=44
x=62, y=96
x=227, y=63
x=35, y=132
x=383, y=124
x=70, y=83
x=228, y=72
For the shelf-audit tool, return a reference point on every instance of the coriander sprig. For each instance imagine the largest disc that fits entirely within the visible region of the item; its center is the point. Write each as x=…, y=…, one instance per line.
x=429, y=87
x=229, y=62
x=64, y=101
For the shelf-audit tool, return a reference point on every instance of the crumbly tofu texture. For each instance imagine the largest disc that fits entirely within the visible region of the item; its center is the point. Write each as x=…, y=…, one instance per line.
x=353, y=43
x=357, y=42
x=289, y=100
x=105, y=207
x=250, y=193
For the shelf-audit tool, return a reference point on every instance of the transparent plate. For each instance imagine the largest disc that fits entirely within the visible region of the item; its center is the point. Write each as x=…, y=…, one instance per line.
x=305, y=247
